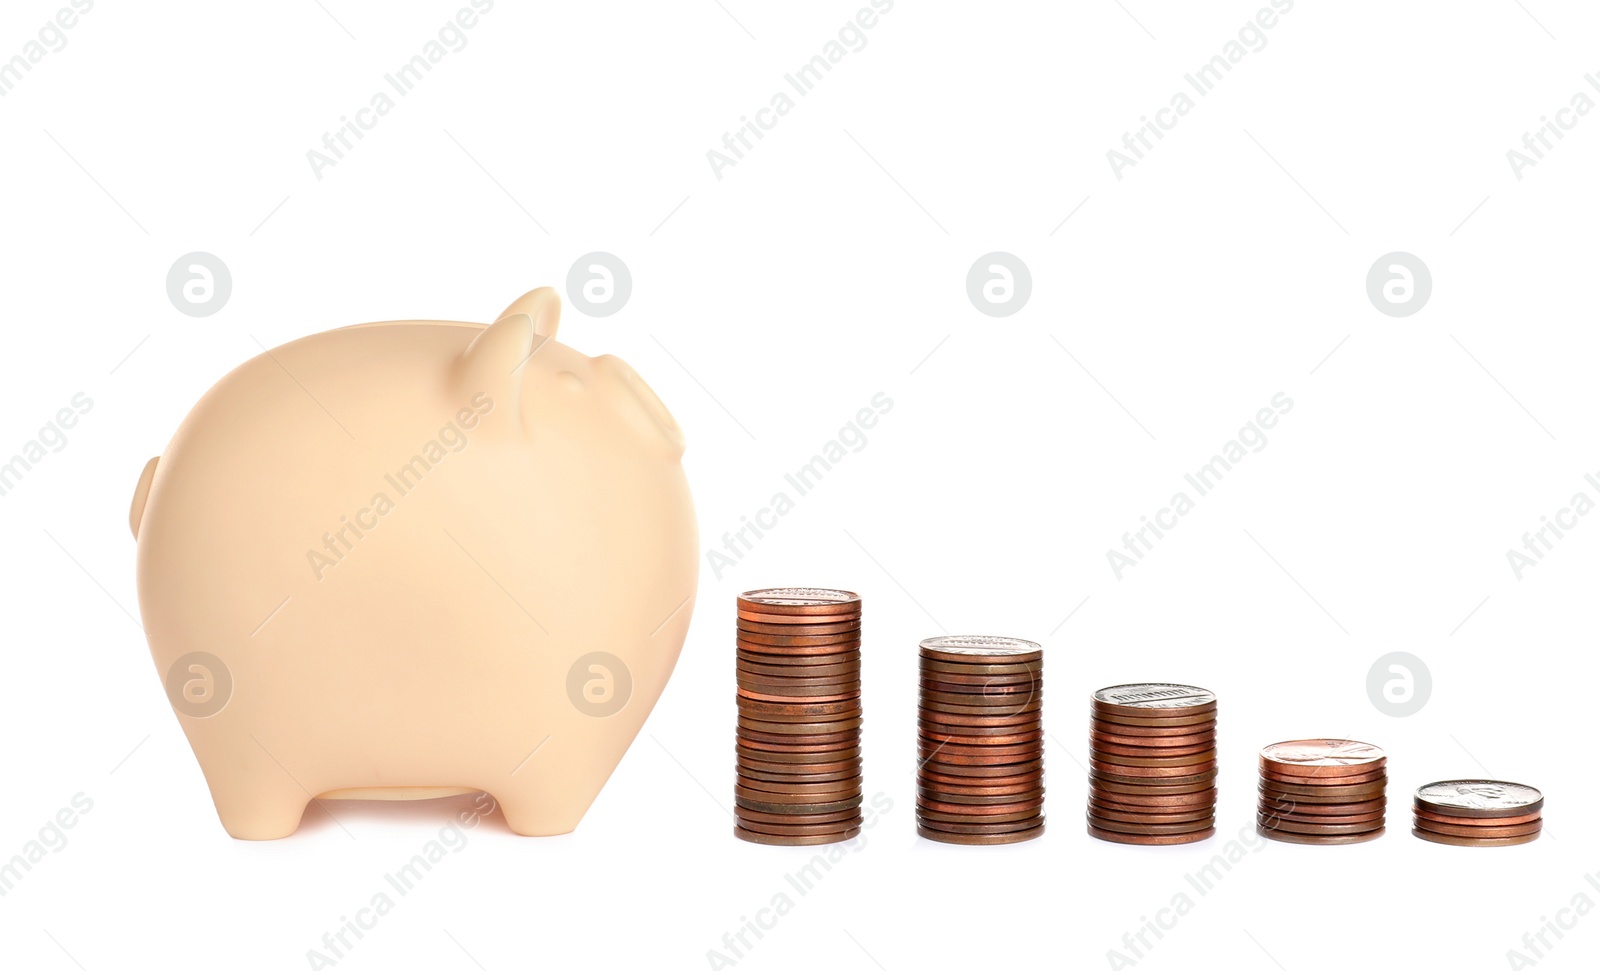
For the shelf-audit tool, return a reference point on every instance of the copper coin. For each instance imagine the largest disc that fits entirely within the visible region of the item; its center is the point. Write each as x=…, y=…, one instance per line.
x=762, y=742
x=980, y=648
x=978, y=704
x=991, y=839
x=799, y=829
x=767, y=718
x=755, y=777
x=747, y=616
x=788, y=756
x=797, y=670
x=980, y=736
x=752, y=837
x=1479, y=798
x=780, y=643
x=843, y=749
x=788, y=819
x=800, y=728
x=809, y=694
x=1144, y=829
x=1016, y=826
x=1096, y=725
x=847, y=682
x=771, y=806
x=1289, y=807
x=1323, y=756
x=1140, y=700
x=1303, y=779
x=924, y=716
x=849, y=785
x=1010, y=691
x=824, y=793
x=804, y=665
x=804, y=653
x=1285, y=837
x=1149, y=787
x=1468, y=841
x=980, y=754
x=1195, y=740
x=1476, y=831
x=1299, y=819
x=932, y=774
x=1098, y=810
x=1366, y=790
x=812, y=629
x=752, y=762
x=1117, y=753
x=1532, y=817
x=1205, y=798
x=984, y=810
x=1137, y=839
x=1182, y=770
x=1279, y=824
x=1158, y=721
x=947, y=798
x=801, y=711
x=932, y=815
x=1163, y=761
x=999, y=770
x=937, y=667
x=945, y=788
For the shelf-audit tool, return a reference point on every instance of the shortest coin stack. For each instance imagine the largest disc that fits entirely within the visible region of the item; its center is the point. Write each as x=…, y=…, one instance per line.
x=1322, y=791
x=799, y=737
x=980, y=741
x=1478, y=812
x=1152, y=764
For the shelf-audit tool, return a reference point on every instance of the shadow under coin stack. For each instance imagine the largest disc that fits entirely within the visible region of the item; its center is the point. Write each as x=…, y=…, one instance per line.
x=1478, y=812
x=799, y=735
x=980, y=740
x=1322, y=791
x=1152, y=764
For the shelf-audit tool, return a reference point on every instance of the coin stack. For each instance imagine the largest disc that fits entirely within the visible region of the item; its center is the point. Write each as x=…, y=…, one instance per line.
x=799, y=734
x=980, y=741
x=1322, y=791
x=1478, y=812
x=1152, y=764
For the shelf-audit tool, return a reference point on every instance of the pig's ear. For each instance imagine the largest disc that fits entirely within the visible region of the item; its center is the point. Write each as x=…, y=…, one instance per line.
x=496, y=360
x=542, y=306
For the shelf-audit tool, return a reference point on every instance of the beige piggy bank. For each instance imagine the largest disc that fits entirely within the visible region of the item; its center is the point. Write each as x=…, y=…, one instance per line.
x=411, y=559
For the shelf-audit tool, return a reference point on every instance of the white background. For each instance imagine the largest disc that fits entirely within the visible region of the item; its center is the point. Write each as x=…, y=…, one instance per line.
x=768, y=306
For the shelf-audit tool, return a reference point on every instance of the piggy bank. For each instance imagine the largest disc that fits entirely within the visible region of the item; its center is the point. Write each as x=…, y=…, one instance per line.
x=413, y=559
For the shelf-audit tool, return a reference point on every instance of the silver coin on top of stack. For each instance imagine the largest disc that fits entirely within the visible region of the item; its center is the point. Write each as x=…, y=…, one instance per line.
x=798, y=742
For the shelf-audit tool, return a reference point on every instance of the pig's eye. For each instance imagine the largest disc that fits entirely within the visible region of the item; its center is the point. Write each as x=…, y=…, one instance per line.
x=570, y=380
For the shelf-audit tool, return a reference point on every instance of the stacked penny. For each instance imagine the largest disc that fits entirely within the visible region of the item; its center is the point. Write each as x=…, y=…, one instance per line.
x=1478, y=812
x=980, y=740
x=1152, y=764
x=1322, y=791
x=799, y=735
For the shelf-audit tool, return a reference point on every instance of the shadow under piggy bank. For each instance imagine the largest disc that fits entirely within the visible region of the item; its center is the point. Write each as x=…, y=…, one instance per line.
x=409, y=559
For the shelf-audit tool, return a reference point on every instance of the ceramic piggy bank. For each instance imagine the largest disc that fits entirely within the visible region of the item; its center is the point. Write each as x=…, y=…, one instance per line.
x=411, y=559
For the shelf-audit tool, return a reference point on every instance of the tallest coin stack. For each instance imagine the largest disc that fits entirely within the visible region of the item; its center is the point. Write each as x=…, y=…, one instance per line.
x=799, y=735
